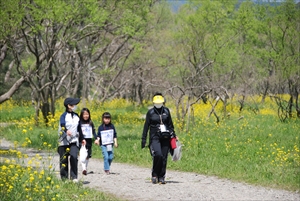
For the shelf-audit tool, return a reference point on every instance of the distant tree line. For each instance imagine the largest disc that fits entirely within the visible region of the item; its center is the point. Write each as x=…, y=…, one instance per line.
x=99, y=50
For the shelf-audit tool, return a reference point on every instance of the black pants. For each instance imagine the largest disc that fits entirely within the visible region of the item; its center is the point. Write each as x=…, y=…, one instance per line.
x=159, y=149
x=63, y=163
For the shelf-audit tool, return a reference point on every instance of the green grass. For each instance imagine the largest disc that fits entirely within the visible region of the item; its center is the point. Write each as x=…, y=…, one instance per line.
x=246, y=151
x=258, y=149
x=16, y=113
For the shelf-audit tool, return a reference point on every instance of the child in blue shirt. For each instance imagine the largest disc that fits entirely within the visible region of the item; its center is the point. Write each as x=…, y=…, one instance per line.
x=107, y=139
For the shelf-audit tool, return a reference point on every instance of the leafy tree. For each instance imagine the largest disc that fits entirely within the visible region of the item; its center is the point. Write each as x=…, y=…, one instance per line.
x=205, y=54
x=278, y=50
x=57, y=43
x=11, y=15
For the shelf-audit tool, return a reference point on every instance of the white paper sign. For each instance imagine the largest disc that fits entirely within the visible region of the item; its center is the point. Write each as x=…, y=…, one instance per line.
x=107, y=137
x=87, y=131
x=163, y=128
x=109, y=147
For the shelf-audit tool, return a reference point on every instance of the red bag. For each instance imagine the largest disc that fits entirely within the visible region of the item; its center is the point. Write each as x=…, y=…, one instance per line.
x=173, y=142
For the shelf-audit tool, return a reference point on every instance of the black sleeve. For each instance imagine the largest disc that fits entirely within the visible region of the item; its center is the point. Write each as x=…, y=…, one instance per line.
x=115, y=132
x=170, y=123
x=94, y=130
x=145, y=130
x=81, y=137
x=99, y=132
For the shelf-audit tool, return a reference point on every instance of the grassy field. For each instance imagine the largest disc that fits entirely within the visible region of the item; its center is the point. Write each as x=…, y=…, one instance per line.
x=254, y=148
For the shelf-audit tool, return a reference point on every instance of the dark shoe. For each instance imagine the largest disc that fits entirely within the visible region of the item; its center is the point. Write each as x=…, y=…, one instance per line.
x=91, y=172
x=162, y=181
x=84, y=172
x=107, y=171
x=154, y=180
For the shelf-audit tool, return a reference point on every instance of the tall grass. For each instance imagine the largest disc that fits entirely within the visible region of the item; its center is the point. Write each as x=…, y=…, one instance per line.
x=245, y=146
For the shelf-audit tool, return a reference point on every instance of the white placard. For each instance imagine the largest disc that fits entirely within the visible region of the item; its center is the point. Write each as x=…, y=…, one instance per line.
x=107, y=137
x=163, y=128
x=86, y=131
x=109, y=147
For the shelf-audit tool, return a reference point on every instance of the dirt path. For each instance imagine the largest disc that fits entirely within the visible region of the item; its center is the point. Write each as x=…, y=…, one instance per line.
x=133, y=183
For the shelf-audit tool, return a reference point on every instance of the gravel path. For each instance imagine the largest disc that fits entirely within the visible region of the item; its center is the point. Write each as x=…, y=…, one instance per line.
x=133, y=183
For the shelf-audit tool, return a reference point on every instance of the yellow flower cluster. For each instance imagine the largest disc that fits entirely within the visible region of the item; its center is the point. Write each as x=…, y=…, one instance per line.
x=251, y=136
x=285, y=157
x=25, y=183
x=246, y=138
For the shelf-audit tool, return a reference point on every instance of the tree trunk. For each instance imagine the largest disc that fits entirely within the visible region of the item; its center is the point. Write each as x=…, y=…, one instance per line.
x=297, y=106
x=140, y=90
x=290, y=107
x=45, y=111
x=213, y=110
x=3, y=53
x=12, y=90
x=52, y=100
x=37, y=111
x=264, y=95
x=297, y=103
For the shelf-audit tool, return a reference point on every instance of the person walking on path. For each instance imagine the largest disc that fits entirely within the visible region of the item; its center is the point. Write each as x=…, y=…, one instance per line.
x=70, y=134
x=107, y=139
x=159, y=121
x=88, y=131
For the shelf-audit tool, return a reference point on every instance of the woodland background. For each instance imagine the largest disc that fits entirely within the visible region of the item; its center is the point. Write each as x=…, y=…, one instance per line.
x=100, y=50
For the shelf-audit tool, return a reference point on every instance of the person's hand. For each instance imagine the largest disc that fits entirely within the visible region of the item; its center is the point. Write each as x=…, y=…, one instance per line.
x=143, y=144
x=97, y=141
x=177, y=138
x=69, y=133
x=116, y=145
x=83, y=142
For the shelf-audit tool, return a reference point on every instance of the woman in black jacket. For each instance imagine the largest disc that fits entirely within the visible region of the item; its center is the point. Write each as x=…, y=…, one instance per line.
x=159, y=121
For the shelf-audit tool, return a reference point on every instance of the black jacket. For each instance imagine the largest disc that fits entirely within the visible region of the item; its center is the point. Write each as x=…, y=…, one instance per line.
x=153, y=122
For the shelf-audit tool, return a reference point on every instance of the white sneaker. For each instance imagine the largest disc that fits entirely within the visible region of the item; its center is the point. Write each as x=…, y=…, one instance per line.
x=75, y=180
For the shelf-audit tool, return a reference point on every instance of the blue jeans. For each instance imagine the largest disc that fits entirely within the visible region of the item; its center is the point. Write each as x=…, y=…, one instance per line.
x=107, y=157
